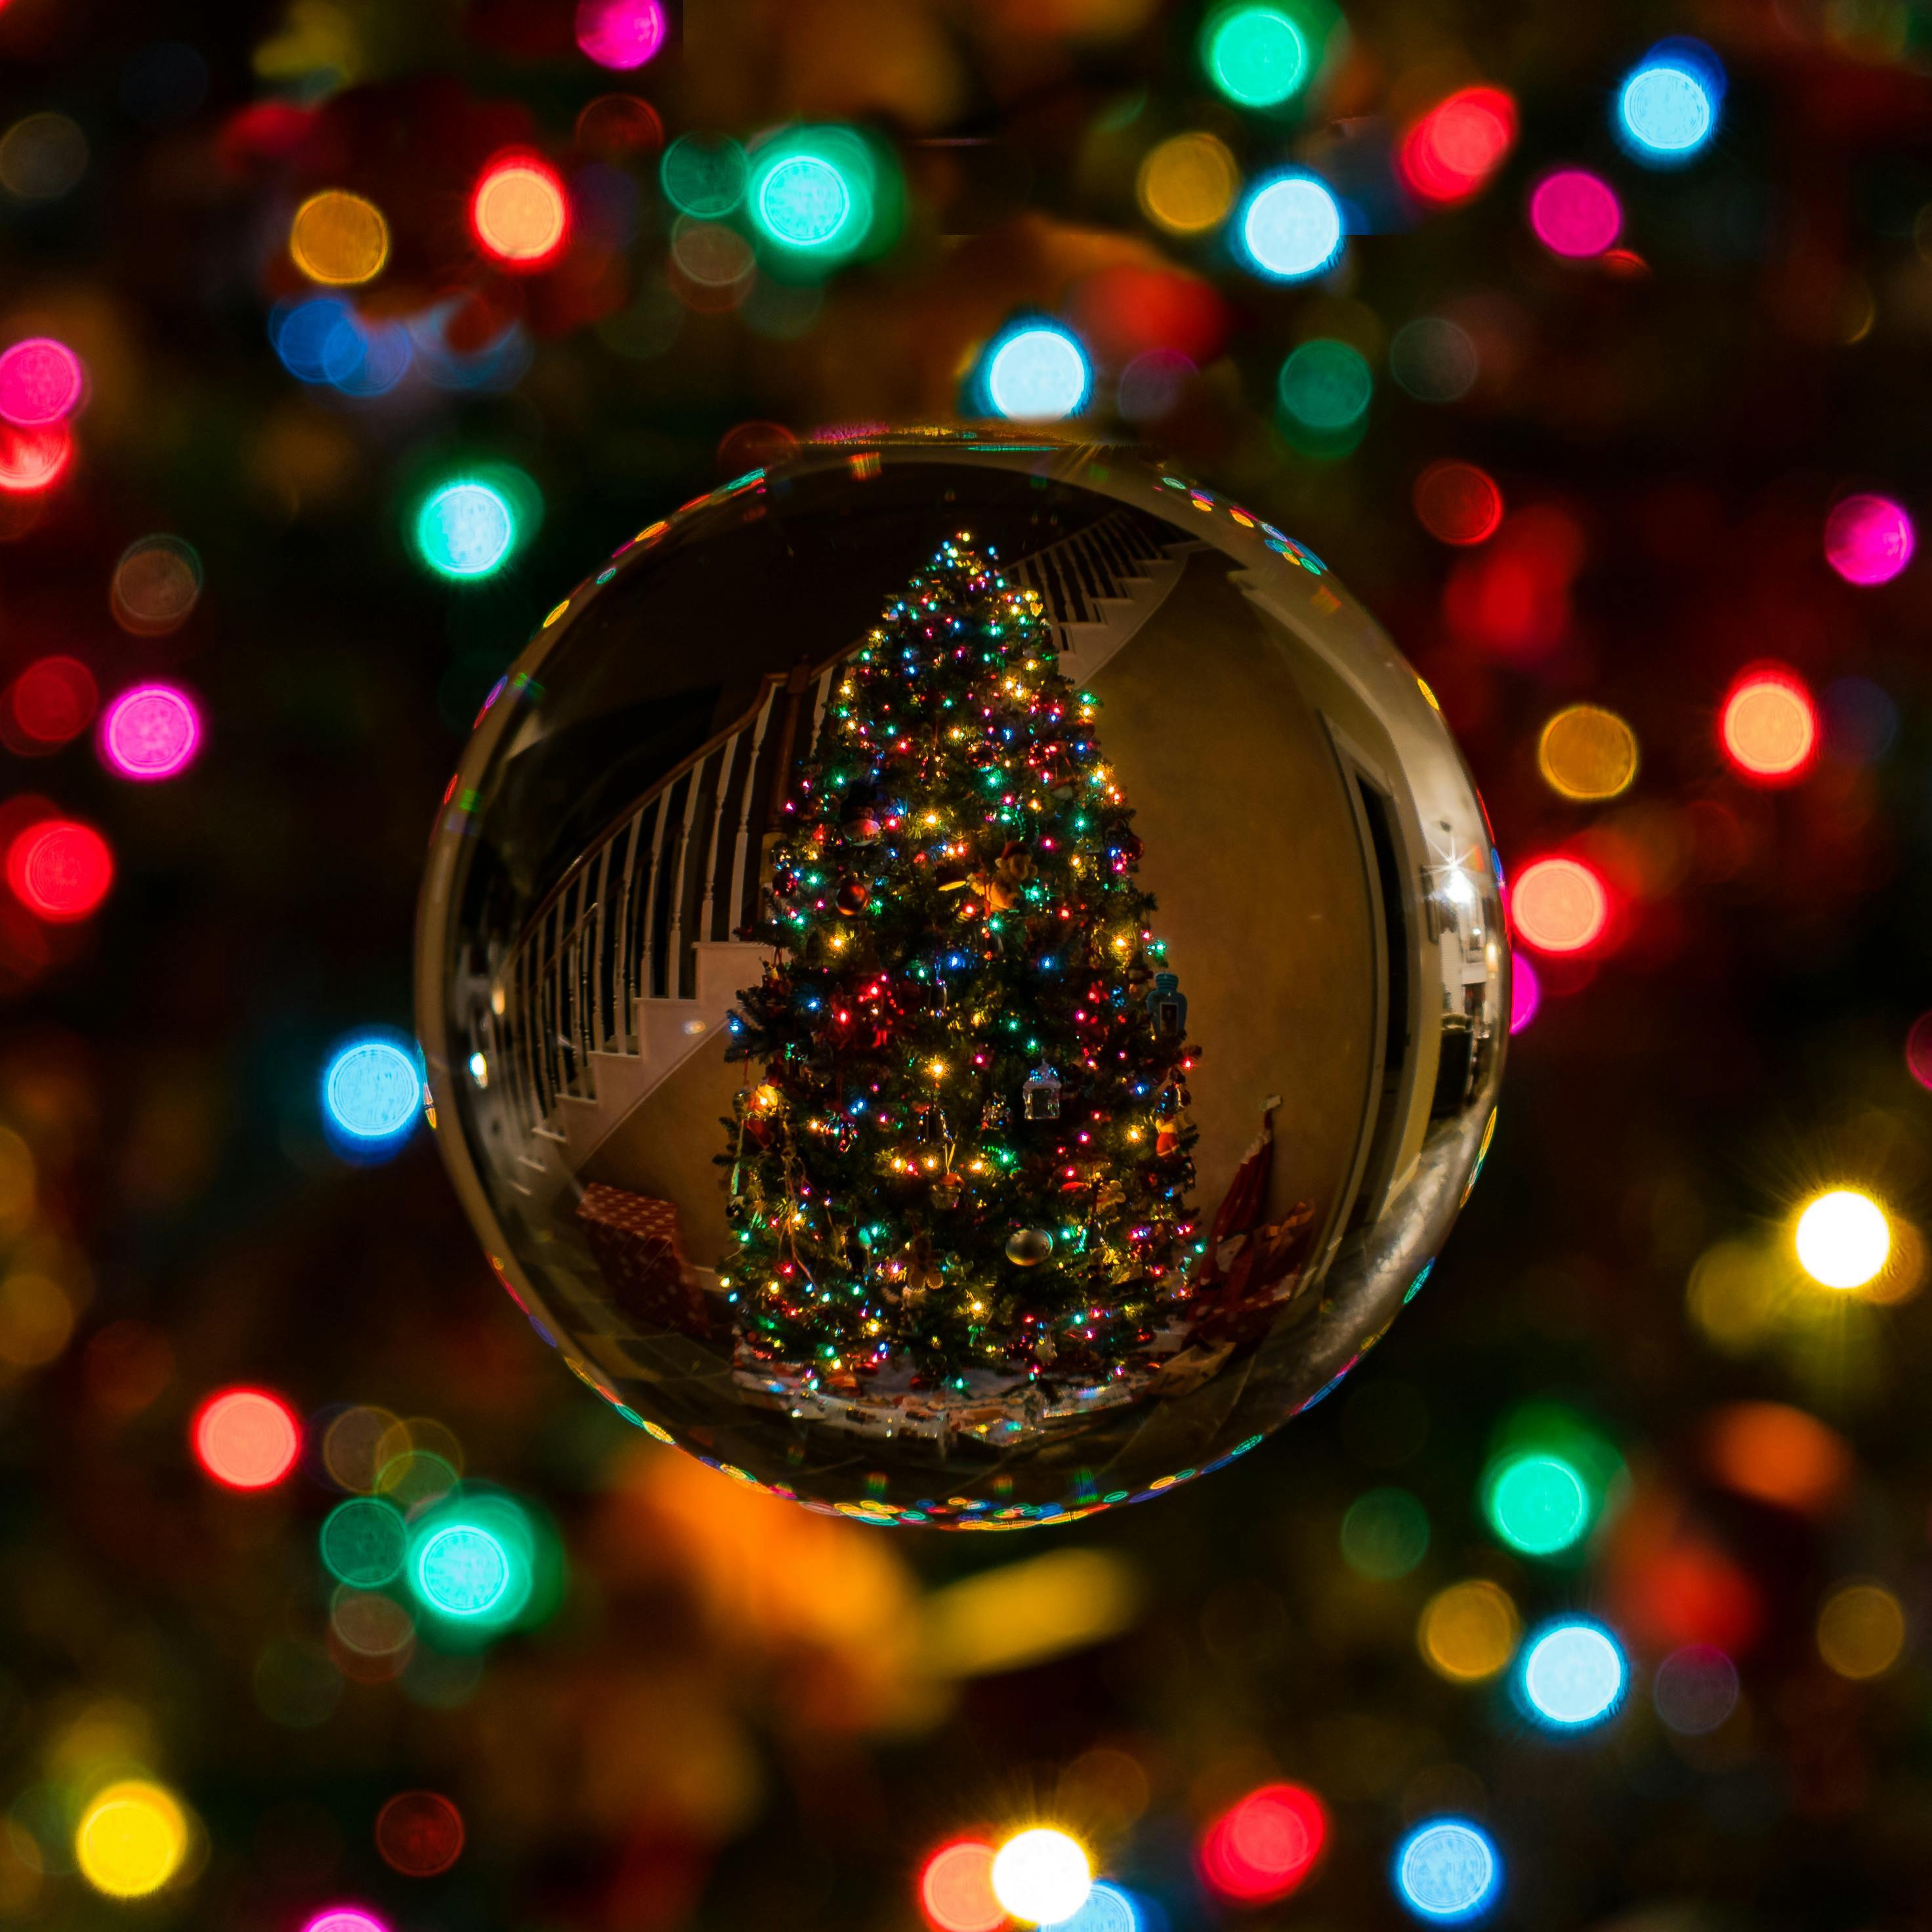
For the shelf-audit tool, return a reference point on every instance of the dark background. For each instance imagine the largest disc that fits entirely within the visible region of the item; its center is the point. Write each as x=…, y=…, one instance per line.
x=742, y=1714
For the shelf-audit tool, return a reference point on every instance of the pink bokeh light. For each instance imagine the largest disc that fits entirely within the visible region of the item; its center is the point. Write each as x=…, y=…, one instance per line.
x=1918, y=1050
x=1575, y=213
x=40, y=382
x=152, y=731
x=1868, y=539
x=620, y=33
x=1525, y=995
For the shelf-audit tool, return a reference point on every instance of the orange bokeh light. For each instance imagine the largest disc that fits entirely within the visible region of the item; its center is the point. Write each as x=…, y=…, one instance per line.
x=1559, y=905
x=1778, y=1454
x=246, y=1438
x=32, y=459
x=520, y=214
x=955, y=1888
x=1769, y=726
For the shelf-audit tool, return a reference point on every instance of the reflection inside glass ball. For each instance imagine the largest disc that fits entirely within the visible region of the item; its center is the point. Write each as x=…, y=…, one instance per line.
x=962, y=981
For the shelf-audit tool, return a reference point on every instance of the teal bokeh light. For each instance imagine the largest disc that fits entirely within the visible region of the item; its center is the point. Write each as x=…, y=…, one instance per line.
x=462, y=1570
x=466, y=529
x=1257, y=56
x=1537, y=1503
x=817, y=196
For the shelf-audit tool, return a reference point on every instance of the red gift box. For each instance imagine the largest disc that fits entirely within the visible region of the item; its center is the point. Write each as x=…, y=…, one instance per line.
x=640, y=1254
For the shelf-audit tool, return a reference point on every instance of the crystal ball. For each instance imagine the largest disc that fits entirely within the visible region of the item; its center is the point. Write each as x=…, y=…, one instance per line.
x=963, y=979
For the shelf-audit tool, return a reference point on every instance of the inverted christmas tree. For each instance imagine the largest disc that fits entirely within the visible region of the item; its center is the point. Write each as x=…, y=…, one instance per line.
x=961, y=1150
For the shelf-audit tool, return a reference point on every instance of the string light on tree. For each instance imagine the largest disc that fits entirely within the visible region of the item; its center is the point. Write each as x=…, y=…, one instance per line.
x=1041, y=1877
x=1843, y=1238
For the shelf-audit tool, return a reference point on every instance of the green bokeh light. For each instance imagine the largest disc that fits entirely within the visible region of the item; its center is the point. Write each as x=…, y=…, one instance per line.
x=481, y=1563
x=1325, y=385
x=1257, y=56
x=703, y=175
x=468, y=526
x=364, y=1542
x=1537, y=1503
x=462, y=1570
x=819, y=195
x=1385, y=1535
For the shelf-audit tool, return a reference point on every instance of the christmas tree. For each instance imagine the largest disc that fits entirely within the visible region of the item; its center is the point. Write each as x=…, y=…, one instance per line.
x=968, y=1155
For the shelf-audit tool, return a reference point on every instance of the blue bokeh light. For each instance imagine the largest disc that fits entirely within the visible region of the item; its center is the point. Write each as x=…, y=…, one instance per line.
x=1290, y=227
x=1107, y=1909
x=372, y=1090
x=1667, y=107
x=1037, y=373
x=1447, y=1871
x=1573, y=1675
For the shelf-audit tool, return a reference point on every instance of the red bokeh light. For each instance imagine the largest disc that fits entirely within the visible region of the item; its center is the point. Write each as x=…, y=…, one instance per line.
x=520, y=214
x=419, y=1833
x=53, y=700
x=1512, y=600
x=1263, y=1847
x=955, y=1888
x=246, y=1438
x=1769, y=726
x=60, y=869
x=1458, y=503
x=1559, y=904
x=33, y=460
x=1452, y=151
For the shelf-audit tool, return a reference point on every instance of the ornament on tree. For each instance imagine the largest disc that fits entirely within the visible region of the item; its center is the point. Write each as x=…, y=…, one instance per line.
x=813, y=1060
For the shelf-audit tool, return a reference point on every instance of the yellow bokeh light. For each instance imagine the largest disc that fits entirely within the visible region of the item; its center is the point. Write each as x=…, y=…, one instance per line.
x=131, y=1840
x=36, y=1320
x=1188, y=184
x=1861, y=1630
x=338, y=239
x=1587, y=752
x=1843, y=1238
x=1469, y=1631
x=1041, y=1876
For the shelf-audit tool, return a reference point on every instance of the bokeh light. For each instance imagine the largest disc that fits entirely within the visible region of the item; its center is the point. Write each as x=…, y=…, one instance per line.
x=1109, y=1908
x=955, y=1888
x=1036, y=372
x=1778, y=1454
x=339, y=239
x=1434, y=360
x=372, y=1090
x=812, y=193
x=620, y=34
x=52, y=701
x=615, y=125
x=419, y=1834
x=1843, y=1238
x=151, y=731
x=246, y=1438
x=1468, y=1632
x=1041, y=1876
x=1868, y=540
x=1586, y=752
x=803, y=201
x=33, y=459
x=365, y=1542
x=131, y=1839
x=1255, y=55
x=41, y=382
x=1574, y=213
x=462, y=1570
x=1918, y=1050
x=1666, y=108
x=1769, y=726
x=1536, y=1503
x=1861, y=1630
x=1559, y=905
x=344, y=1918
x=156, y=585
x=520, y=214
x=1289, y=227
x=1572, y=1675
x=1325, y=385
x=466, y=529
x=1263, y=1847
x=1457, y=503
x=1451, y=153
x=1695, y=1689
x=354, y=1446
x=1526, y=993
x=60, y=869
x=703, y=176
x=42, y=157
x=1447, y=1871
x=1187, y=183
x=1385, y=1535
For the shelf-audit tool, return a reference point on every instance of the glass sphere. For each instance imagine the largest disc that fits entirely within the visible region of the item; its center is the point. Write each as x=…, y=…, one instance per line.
x=963, y=979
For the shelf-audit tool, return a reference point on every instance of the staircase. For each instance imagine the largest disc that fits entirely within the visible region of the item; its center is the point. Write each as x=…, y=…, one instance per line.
x=628, y=966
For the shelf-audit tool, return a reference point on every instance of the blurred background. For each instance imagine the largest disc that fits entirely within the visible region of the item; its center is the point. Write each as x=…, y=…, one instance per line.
x=1591, y=347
